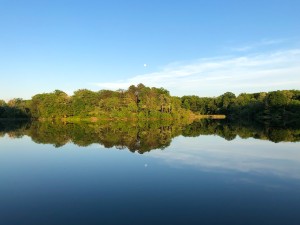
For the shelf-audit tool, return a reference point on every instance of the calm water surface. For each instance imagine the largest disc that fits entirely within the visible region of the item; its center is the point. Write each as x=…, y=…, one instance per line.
x=204, y=179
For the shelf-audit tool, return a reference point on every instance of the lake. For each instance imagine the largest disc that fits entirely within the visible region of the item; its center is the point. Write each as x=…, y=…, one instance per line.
x=205, y=172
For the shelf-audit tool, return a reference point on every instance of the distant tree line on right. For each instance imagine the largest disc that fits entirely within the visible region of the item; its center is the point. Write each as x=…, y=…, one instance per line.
x=273, y=106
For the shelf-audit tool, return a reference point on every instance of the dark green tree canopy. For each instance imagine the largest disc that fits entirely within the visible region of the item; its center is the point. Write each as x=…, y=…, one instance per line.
x=142, y=102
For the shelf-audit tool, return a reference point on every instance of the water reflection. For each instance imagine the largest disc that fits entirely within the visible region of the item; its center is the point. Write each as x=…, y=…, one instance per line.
x=233, y=170
x=142, y=136
x=211, y=153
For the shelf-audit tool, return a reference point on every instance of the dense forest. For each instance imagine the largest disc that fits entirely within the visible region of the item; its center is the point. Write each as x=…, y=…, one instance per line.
x=140, y=136
x=134, y=103
x=280, y=106
x=141, y=102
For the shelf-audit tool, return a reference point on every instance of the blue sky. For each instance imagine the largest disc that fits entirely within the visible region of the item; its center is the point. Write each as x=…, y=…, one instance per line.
x=189, y=47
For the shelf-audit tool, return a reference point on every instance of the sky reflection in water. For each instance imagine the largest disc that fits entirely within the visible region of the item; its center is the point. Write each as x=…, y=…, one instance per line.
x=204, y=179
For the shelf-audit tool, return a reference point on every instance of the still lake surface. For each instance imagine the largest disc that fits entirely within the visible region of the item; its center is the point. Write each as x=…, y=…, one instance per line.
x=204, y=173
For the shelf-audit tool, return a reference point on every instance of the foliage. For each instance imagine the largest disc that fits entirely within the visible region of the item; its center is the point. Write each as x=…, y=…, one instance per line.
x=273, y=106
x=141, y=102
x=138, y=102
x=15, y=108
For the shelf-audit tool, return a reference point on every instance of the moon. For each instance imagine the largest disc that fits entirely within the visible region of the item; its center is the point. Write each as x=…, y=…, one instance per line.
x=145, y=65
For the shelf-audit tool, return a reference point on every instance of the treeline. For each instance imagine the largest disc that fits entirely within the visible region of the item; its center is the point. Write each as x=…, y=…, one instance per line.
x=272, y=106
x=15, y=108
x=145, y=102
x=135, y=102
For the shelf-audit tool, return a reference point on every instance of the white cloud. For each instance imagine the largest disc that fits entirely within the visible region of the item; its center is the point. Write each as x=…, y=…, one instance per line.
x=214, y=76
x=259, y=44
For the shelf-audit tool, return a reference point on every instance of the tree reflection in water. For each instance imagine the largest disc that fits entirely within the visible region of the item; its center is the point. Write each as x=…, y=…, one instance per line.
x=142, y=136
